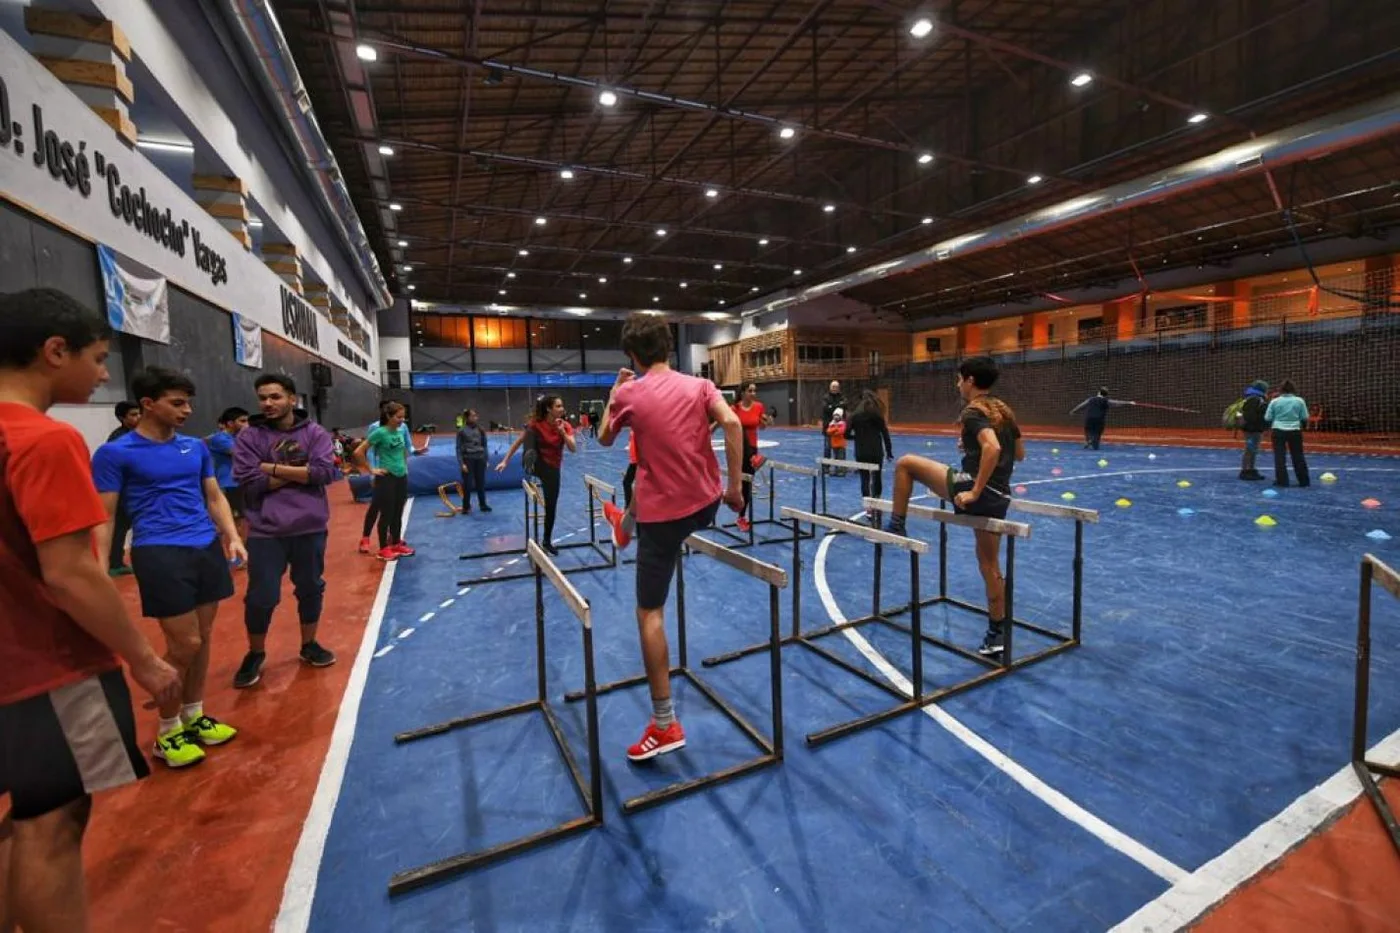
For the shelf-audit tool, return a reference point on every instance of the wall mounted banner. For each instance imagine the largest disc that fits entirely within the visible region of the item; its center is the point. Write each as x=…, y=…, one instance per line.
x=137, y=298
x=59, y=160
x=247, y=342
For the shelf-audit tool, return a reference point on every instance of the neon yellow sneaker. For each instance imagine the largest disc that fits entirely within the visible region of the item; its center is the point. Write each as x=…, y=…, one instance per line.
x=206, y=730
x=176, y=750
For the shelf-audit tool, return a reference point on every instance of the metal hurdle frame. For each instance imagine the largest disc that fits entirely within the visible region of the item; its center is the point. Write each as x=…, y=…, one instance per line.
x=824, y=462
x=1373, y=570
x=945, y=518
x=534, y=509
x=730, y=529
x=770, y=749
x=590, y=791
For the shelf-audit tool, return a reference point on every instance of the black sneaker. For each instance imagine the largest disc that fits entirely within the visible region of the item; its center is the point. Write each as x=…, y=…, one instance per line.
x=553, y=551
x=250, y=671
x=484, y=507
x=312, y=653
x=993, y=644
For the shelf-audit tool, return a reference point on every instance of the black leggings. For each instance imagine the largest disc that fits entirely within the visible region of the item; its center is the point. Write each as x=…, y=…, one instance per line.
x=628, y=479
x=549, y=484
x=475, y=478
x=872, y=482
x=1292, y=443
x=390, y=497
x=749, y=453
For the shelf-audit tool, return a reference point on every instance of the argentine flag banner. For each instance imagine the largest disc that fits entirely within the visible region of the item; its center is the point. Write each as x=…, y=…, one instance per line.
x=138, y=300
x=247, y=342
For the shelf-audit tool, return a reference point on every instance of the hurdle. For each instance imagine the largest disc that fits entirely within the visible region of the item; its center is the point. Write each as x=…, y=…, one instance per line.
x=770, y=748
x=534, y=512
x=773, y=467
x=1373, y=571
x=590, y=791
x=1011, y=531
x=824, y=462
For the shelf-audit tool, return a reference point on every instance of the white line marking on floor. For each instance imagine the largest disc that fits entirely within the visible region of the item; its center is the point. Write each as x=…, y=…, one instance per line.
x=1191, y=897
x=1312, y=467
x=497, y=570
x=407, y=632
x=1056, y=800
x=385, y=650
x=425, y=617
x=295, y=913
x=464, y=591
x=447, y=602
x=512, y=562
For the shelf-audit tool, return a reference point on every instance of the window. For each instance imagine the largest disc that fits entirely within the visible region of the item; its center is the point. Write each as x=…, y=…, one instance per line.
x=603, y=335
x=1090, y=328
x=933, y=345
x=820, y=353
x=393, y=378
x=764, y=359
x=555, y=335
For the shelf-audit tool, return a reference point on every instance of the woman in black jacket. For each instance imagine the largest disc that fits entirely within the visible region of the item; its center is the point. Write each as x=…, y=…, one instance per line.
x=866, y=425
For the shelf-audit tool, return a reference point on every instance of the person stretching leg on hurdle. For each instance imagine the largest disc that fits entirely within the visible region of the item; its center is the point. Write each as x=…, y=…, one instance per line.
x=991, y=444
x=624, y=520
x=678, y=491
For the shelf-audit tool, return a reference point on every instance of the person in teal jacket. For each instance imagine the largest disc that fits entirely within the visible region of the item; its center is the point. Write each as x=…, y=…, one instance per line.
x=1288, y=415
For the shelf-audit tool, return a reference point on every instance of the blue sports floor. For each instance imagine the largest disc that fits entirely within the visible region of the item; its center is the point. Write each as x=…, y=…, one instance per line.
x=1212, y=690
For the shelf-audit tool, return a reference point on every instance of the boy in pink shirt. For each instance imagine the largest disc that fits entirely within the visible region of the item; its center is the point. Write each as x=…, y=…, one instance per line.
x=677, y=491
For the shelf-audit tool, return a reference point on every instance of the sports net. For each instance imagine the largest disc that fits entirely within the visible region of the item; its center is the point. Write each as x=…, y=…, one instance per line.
x=1191, y=355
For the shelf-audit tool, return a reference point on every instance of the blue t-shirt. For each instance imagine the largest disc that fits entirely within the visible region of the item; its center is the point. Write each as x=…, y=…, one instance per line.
x=221, y=447
x=162, y=485
x=407, y=443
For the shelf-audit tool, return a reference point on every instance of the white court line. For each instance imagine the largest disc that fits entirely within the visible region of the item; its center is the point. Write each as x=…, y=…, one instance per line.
x=447, y=602
x=1056, y=800
x=1191, y=897
x=385, y=650
x=295, y=913
x=1312, y=467
x=407, y=632
x=425, y=617
x=464, y=591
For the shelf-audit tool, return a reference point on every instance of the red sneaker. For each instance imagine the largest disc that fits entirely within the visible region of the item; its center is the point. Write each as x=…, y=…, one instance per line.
x=743, y=524
x=403, y=549
x=658, y=741
x=757, y=461
x=614, y=515
x=388, y=553
x=366, y=547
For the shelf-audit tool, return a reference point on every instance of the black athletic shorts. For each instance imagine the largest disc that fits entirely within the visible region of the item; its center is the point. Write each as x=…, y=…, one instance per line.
x=60, y=746
x=991, y=504
x=658, y=546
x=174, y=580
x=233, y=495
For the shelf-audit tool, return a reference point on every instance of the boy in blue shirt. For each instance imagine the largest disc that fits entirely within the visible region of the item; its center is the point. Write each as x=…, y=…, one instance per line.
x=178, y=514
x=231, y=421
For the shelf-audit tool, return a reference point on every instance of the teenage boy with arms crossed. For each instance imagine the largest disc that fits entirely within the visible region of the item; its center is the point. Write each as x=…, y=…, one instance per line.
x=66, y=725
x=677, y=491
x=283, y=462
x=182, y=574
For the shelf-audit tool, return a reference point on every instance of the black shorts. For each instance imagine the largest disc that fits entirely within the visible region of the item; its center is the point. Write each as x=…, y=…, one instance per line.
x=233, y=495
x=658, y=546
x=174, y=580
x=991, y=504
x=60, y=746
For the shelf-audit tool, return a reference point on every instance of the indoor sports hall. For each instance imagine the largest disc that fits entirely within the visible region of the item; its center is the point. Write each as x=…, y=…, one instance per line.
x=1051, y=347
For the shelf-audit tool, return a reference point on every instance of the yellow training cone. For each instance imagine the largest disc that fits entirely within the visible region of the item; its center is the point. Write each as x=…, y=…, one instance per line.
x=1183, y=483
x=1054, y=450
x=1068, y=497
x=1103, y=463
x=1123, y=503
x=1328, y=477
x=1264, y=521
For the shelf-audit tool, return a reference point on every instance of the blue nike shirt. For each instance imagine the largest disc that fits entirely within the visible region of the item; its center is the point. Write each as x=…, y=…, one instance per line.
x=163, y=487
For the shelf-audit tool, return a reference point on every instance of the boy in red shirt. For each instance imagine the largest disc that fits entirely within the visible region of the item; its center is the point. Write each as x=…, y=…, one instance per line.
x=677, y=492
x=66, y=723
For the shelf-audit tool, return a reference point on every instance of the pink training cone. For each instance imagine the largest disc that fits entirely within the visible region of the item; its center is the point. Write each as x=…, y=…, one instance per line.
x=1056, y=472
x=1371, y=503
x=1021, y=491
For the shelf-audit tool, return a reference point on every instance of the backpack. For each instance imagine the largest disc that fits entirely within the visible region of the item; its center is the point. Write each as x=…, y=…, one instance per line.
x=1234, y=414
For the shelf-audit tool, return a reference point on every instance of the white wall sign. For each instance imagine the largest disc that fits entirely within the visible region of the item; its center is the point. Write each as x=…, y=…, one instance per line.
x=58, y=159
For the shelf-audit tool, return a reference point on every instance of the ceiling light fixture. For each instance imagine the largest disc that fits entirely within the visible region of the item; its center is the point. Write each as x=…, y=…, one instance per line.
x=386, y=150
x=754, y=289
x=395, y=206
x=787, y=132
x=607, y=99
x=655, y=299
x=1083, y=79
x=921, y=28
x=627, y=260
x=828, y=208
x=602, y=280
x=684, y=285
x=540, y=221
x=413, y=288
x=402, y=243
x=719, y=266
x=925, y=158
x=796, y=271
x=850, y=249
x=1034, y=180
x=566, y=173
x=660, y=231
x=524, y=252
x=1198, y=118
x=367, y=53
x=763, y=242
x=501, y=292
x=510, y=275
x=926, y=220
x=711, y=192
x=583, y=296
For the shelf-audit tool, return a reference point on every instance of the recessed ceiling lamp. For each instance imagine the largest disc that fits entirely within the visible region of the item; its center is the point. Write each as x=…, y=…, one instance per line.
x=501, y=292
x=925, y=158
x=763, y=242
x=395, y=206
x=607, y=99
x=655, y=299
x=719, y=266
x=402, y=244
x=796, y=271
x=540, y=221
x=583, y=296
x=660, y=231
x=413, y=288
x=926, y=220
x=1083, y=79
x=510, y=275
x=1034, y=180
x=602, y=280
x=627, y=260
x=921, y=28
x=711, y=192
x=386, y=150
x=828, y=208
x=1198, y=118
x=524, y=252
x=366, y=53
x=566, y=173
x=787, y=132
x=850, y=249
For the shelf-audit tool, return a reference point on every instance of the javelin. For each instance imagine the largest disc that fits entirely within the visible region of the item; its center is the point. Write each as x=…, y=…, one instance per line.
x=1188, y=411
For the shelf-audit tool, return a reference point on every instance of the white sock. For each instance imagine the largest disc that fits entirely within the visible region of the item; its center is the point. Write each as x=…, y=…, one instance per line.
x=168, y=726
x=192, y=711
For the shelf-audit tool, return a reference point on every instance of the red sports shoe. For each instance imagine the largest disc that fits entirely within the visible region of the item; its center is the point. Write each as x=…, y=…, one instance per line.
x=404, y=550
x=757, y=461
x=658, y=741
x=366, y=547
x=388, y=553
x=614, y=515
x=743, y=524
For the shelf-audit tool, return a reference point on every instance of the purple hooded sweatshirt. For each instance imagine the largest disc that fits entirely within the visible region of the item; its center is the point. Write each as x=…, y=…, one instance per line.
x=296, y=508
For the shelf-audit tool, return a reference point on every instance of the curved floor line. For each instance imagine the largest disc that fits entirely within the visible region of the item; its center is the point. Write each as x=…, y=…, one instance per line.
x=1102, y=475
x=1057, y=801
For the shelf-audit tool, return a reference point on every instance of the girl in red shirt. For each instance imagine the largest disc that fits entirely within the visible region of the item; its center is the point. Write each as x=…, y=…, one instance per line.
x=546, y=435
x=752, y=415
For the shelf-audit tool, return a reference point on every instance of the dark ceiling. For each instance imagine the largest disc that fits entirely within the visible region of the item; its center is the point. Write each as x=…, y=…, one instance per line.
x=485, y=103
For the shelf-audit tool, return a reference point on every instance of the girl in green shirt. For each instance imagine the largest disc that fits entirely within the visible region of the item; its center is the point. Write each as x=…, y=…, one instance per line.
x=390, y=479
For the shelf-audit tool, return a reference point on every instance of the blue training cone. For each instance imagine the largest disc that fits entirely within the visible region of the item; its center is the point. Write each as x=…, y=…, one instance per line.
x=1378, y=535
x=1184, y=511
x=1271, y=493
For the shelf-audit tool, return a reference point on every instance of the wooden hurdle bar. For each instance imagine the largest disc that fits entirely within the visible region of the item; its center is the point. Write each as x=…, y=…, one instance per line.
x=738, y=539
x=824, y=462
x=534, y=511
x=1374, y=572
